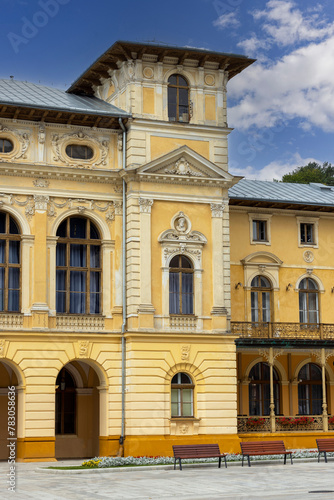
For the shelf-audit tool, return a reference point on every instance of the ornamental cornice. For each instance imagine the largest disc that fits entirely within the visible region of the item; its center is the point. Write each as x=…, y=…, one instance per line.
x=98, y=176
x=180, y=179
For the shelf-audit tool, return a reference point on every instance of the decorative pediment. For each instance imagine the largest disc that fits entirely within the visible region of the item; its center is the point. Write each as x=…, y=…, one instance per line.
x=183, y=165
x=180, y=239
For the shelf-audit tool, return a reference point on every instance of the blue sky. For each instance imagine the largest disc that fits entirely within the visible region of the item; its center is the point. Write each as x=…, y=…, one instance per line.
x=282, y=107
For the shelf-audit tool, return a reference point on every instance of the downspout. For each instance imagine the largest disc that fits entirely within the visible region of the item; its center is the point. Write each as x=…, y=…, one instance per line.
x=122, y=436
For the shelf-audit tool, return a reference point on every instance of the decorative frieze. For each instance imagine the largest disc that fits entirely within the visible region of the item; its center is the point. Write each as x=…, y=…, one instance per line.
x=41, y=183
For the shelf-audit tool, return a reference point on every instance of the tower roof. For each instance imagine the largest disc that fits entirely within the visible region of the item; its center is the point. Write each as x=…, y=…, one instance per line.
x=122, y=51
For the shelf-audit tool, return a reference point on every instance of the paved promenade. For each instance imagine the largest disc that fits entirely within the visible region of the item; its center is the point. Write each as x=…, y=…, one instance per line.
x=299, y=481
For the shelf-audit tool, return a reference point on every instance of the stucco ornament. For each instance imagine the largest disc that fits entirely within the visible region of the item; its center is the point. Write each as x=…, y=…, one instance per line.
x=182, y=167
x=308, y=256
x=180, y=239
x=21, y=142
x=100, y=149
x=185, y=352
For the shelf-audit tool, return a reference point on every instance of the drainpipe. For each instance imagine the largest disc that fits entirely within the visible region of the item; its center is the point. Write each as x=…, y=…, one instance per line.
x=122, y=436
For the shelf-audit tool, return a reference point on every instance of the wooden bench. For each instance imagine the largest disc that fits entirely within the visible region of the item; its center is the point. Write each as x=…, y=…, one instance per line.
x=197, y=451
x=256, y=448
x=325, y=446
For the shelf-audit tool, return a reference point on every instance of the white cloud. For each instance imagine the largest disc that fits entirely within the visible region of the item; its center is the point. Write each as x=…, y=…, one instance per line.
x=227, y=21
x=285, y=24
x=299, y=85
x=274, y=170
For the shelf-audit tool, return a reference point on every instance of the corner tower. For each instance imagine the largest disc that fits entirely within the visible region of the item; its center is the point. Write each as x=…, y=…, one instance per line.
x=176, y=95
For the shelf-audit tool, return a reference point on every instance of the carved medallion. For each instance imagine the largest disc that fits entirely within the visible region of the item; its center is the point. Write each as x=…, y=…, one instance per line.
x=209, y=80
x=308, y=256
x=148, y=72
x=185, y=352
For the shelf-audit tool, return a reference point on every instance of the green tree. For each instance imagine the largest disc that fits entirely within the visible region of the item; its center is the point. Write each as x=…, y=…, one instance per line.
x=312, y=172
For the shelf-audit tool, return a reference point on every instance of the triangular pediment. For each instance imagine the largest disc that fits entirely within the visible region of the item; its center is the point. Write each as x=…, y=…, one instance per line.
x=184, y=164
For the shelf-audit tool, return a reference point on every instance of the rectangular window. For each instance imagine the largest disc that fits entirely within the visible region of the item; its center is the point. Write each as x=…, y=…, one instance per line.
x=260, y=230
x=307, y=233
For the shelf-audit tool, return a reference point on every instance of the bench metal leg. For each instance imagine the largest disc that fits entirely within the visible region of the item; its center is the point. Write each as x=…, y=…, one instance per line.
x=242, y=462
x=225, y=463
x=319, y=456
x=180, y=463
x=249, y=461
x=219, y=462
x=284, y=459
x=325, y=455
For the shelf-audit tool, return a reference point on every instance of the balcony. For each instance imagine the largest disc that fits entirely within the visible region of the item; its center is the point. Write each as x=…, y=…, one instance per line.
x=319, y=331
x=298, y=423
x=80, y=323
x=11, y=321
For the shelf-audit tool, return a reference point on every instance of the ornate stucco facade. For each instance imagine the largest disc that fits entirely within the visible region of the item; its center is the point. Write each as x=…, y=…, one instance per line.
x=99, y=374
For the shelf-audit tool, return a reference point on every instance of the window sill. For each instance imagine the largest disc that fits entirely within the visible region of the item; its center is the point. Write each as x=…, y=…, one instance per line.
x=186, y=419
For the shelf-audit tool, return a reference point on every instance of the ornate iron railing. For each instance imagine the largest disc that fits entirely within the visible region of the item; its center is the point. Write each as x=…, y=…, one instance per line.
x=299, y=423
x=253, y=424
x=283, y=330
x=282, y=424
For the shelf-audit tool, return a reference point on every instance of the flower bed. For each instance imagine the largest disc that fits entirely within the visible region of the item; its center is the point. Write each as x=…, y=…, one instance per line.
x=104, y=462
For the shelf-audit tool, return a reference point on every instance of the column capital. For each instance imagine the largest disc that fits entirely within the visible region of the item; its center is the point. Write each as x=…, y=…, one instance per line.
x=145, y=205
x=217, y=209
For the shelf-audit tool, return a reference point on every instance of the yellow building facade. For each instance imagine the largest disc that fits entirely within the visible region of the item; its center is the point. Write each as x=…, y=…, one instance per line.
x=127, y=273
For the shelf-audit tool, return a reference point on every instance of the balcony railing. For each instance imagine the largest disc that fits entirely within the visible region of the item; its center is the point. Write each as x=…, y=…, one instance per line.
x=309, y=423
x=12, y=321
x=313, y=331
x=183, y=322
x=79, y=323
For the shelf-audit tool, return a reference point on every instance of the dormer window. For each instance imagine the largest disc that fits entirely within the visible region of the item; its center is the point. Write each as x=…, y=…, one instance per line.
x=79, y=152
x=6, y=146
x=178, y=99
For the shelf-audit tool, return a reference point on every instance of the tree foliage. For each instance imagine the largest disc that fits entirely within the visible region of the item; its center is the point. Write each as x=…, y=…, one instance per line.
x=312, y=172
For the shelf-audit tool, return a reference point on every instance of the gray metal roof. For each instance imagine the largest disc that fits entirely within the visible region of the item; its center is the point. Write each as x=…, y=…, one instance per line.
x=30, y=95
x=282, y=192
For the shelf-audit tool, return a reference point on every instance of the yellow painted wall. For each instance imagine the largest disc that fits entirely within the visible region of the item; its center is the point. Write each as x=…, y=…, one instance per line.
x=148, y=100
x=210, y=107
x=162, y=145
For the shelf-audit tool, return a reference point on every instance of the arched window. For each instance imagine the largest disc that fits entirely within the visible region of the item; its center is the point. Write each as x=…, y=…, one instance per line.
x=79, y=267
x=310, y=390
x=308, y=301
x=10, y=264
x=259, y=390
x=182, y=396
x=6, y=146
x=65, y=403
x=260, y=299
x=181, y=286
x=178, y=99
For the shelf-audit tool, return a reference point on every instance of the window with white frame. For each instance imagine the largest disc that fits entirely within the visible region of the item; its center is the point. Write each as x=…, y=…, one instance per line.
x=260, y=229
x=307, y=231
x=182, y=396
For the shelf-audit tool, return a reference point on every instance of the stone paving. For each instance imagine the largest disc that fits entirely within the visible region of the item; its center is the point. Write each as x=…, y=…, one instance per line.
x=261, y=481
